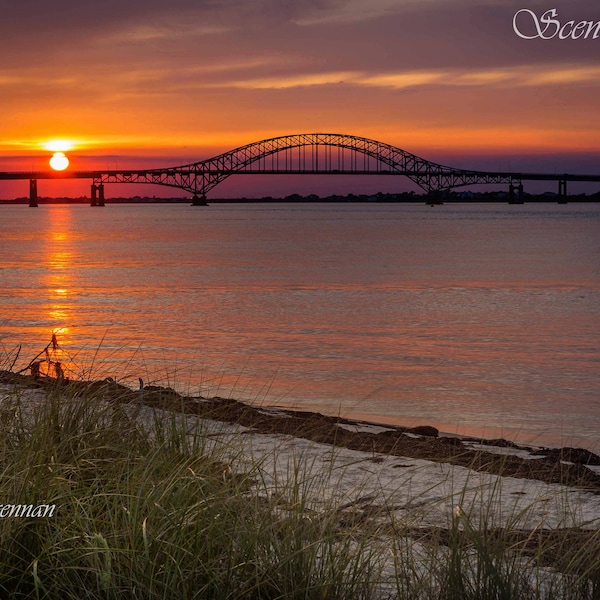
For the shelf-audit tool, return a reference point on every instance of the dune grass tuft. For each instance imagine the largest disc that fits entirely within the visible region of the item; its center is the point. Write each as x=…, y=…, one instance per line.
x=146, y=509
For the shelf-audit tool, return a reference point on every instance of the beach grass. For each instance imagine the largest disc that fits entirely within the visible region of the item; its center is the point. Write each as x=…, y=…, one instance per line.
x=147, y=506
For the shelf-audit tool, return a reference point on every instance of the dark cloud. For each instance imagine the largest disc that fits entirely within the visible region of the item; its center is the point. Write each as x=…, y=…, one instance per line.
x=332, y=34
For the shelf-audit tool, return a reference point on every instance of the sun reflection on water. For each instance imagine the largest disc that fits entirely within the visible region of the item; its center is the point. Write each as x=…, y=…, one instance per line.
x=58, y=262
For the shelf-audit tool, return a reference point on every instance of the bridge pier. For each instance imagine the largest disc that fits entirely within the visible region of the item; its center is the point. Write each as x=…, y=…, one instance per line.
x=201, y=201
x=511, y=193
x=97, y=197
x=562, y=191
x=435, y=198
x=33, y=197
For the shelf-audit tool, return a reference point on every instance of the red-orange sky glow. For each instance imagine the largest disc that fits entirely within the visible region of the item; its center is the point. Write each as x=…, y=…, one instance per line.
x=148, y=84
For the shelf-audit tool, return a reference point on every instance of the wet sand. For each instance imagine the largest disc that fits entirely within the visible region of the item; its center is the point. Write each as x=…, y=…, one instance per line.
x=567, y=466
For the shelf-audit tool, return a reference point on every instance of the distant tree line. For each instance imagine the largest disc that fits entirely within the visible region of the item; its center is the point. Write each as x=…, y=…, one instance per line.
x=463, y=196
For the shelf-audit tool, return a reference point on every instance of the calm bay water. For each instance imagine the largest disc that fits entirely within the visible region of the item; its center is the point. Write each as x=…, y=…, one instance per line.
x=477, y=319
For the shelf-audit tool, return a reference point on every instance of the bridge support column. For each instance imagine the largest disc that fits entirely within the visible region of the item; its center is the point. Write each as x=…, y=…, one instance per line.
x=562, y=191
x=33, y=197
x=435, y=198
x=199, y=201
x=97, y=198
x=518, y=199
x=100, y=201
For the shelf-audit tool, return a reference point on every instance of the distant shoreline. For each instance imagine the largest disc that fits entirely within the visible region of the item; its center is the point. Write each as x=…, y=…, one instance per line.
x=402, y=198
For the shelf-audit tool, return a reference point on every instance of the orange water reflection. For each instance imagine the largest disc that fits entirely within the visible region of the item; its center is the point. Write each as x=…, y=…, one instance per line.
x=58, y=281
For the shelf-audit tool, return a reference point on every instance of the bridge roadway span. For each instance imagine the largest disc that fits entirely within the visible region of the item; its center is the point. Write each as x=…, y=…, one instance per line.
x=302, y=154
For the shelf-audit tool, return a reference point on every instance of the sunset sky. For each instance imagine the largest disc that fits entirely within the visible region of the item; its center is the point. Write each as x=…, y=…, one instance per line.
x=147, y=84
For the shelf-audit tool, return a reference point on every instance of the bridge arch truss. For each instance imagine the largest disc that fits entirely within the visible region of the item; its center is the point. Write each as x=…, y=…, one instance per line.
x=309, y=153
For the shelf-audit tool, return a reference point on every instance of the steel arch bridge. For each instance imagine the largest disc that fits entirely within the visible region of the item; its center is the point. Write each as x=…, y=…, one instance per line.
x=309, y=153
x=302, y=154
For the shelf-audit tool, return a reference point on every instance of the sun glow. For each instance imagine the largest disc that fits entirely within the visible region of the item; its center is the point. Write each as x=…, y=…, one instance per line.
x=59, y=145
x=59, y=162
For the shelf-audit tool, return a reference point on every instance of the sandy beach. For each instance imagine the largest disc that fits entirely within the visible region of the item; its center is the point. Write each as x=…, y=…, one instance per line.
x=310, y=434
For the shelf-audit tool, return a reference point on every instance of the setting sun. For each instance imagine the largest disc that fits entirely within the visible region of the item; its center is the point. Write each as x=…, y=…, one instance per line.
x=59, y=162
